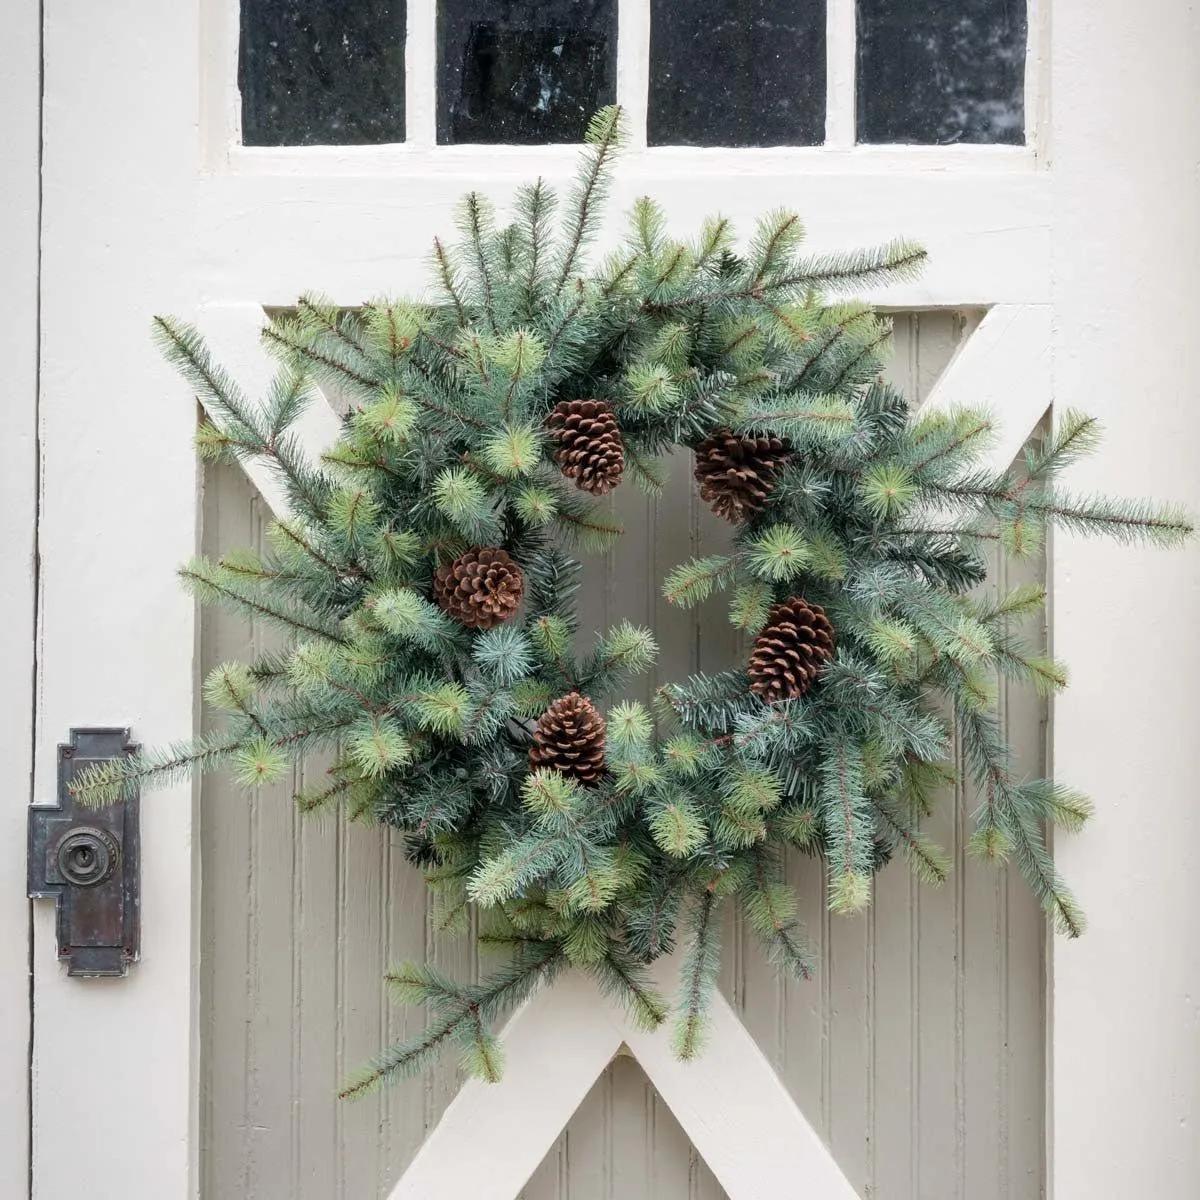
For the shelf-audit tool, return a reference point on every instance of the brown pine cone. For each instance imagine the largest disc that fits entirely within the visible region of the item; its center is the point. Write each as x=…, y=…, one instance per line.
x=481, y=588
x=795, y=643
x=569, y=738
x=736, y=473
x=590, y=448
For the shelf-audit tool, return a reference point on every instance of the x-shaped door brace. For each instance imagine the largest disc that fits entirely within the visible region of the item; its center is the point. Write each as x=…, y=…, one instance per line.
x=730, y=1102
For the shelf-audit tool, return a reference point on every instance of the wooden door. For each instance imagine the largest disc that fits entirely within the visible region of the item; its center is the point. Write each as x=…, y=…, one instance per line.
x=150, y=203
x=917, y=1054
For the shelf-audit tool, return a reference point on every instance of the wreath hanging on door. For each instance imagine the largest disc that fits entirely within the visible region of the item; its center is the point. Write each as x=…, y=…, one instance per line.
x=426, y=582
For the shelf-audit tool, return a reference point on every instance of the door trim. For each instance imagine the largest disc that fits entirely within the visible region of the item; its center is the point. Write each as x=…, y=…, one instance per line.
x=20, y=219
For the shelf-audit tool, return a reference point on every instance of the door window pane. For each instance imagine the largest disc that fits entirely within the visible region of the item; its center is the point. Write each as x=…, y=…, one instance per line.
x=318, y=73
x=941, y=71
x=524, y=72
x=737, y=72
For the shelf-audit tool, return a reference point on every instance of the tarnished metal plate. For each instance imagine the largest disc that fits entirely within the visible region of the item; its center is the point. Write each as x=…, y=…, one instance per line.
x=88, y=862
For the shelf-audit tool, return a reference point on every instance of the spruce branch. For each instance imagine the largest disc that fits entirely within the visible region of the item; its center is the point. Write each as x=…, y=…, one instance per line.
x=339, y=326
x=777, y=235
x=461, y=1015
x=537, y=205
x=184, y=347
x=285, y=341
x=897, y=261
x=450, y=284
x=693, y=582
x=477, y=221
x=929, y=862
x=604, y=135
x=123, y=778
x=212, y=584
x=770, y=910
x=623, y=978
x=849, y=822
x=697, y=978
x=864, y=360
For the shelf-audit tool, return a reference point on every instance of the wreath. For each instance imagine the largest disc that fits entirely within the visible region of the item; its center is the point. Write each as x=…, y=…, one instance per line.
x=426, y=581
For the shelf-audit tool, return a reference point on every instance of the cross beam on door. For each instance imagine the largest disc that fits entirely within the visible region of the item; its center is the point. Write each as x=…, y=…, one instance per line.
x=730, y=1103
x=1004, y=366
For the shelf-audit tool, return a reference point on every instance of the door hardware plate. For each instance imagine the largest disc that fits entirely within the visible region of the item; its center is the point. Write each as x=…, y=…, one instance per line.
x=87, y=862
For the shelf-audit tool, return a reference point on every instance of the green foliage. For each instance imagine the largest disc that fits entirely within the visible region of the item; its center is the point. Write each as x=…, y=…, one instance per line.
x=877, y=515
x=693, y=582
x=697, y=977
x=629, y=726
x=778, y=554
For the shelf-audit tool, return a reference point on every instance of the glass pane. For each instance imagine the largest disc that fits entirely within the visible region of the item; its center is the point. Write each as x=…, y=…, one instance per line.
x=319, y=73
x=737, y=72
x=941, y=71
x=521, y=72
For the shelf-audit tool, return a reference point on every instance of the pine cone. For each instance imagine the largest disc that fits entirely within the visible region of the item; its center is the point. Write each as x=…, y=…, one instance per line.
x=736, y=473
x=569, y=738
x=795, y=643
x=590, y=449
x=480, y=588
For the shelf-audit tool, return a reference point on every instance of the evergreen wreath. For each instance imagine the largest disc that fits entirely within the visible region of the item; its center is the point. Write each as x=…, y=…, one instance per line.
x=426, y=582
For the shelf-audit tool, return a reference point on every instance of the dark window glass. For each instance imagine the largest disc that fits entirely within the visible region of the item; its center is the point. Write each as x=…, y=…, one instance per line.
x=322, y=72
x=521, y=72
x=941, y=71
x=737, y=72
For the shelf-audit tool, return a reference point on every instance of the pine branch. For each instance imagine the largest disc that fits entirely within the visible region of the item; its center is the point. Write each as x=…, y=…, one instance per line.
x=186, y=350
x=847, y=815
x=868, y=351
x=770, y=908
x=462, y=1012
x=449, y=285
x=475, y=219
x=123, y=778
x=539, y=203
x=604, y=136
x=334, y=369
x=894, y=262
x=697, y=978
x=330, y=320
x=206, y=581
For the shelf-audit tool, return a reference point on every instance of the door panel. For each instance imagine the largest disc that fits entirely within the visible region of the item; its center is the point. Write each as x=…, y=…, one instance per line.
x=906, y=1030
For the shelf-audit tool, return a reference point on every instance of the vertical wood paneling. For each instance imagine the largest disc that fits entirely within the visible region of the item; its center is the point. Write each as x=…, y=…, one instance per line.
x=917, y=1052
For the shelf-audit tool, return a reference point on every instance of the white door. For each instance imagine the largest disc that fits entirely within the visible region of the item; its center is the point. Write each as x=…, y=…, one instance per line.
x=1081, y=243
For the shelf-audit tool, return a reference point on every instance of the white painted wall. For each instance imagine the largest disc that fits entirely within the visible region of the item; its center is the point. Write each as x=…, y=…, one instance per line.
x=1126, y=996
x=19, y=134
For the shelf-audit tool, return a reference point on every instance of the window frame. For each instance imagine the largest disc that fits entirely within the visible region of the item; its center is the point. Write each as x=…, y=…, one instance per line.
x=421, y=155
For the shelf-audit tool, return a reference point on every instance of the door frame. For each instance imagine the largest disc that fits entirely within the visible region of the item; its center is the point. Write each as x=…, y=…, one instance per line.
x=1115, y=219
x=20, y=106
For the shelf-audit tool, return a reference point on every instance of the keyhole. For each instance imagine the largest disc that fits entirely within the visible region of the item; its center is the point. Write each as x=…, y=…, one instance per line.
x=88, y=856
